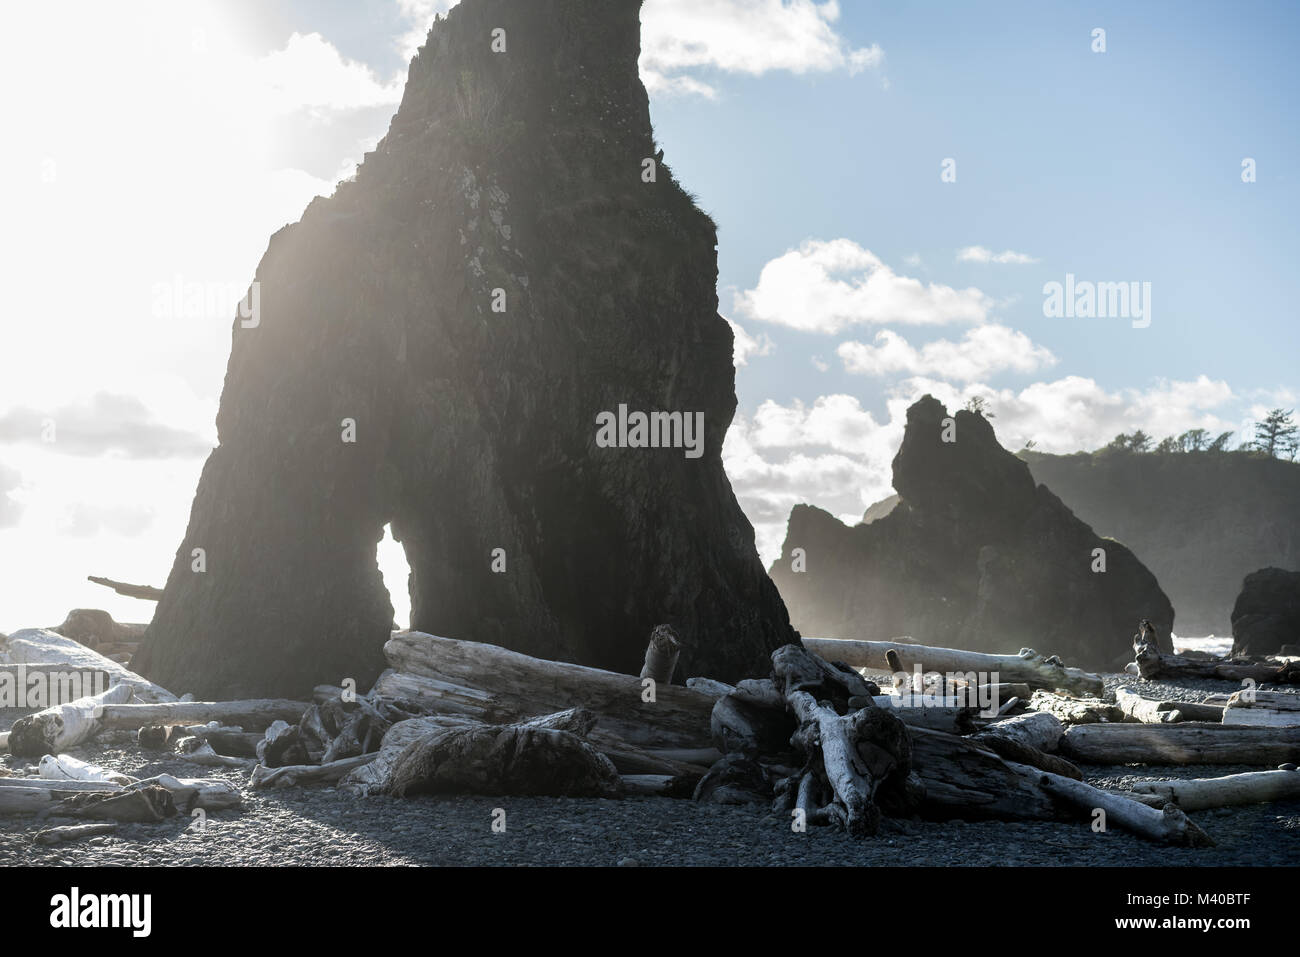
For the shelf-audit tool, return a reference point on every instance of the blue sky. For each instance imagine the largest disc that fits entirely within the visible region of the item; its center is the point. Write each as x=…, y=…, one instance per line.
x=163, y=143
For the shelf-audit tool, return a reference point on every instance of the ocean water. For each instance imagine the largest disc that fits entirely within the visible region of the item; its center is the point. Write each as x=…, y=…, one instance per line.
x=1211, y=643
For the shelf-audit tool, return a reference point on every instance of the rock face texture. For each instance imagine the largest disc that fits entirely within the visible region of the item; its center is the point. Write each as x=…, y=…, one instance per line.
x=509, y=263
x=1201, y=521
x=975, y=555
x=1266, y=615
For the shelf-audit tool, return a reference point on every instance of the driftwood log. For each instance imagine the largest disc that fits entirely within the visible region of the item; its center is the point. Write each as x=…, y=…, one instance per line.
x=661, y=655
x=1184, y=743
x=66, y=725
x=254, y=715
x=1253, y=787
x=1028, y=667
x=1150, y=662
x=497, y=686
x=1076, y=710
x=1168, y=825
x=72, y=832
x=299, y=774
x=1151, y=711
x=1269, y=709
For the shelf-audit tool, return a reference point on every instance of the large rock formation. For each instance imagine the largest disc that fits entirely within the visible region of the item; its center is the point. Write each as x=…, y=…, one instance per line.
x=1201, y=521
x=499, y=275
x=975, y=555
x=1266, y=615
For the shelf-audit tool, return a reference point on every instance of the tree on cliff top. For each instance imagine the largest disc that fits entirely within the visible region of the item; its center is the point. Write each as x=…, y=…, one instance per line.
x=1277, y=435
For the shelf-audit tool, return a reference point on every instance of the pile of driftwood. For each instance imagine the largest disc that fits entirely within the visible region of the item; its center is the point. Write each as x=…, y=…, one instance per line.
x=953, y=734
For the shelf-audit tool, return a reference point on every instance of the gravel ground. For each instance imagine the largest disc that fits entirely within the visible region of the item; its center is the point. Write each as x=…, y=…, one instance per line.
x=323, y=826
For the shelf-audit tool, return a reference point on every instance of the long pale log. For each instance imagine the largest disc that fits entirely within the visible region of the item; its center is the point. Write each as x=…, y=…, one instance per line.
x=914, y=713
x=1261, y=718
x=1040, y=730
x=189, y=793
x=50, y=784
x=1028, y=667
x=1147, y=710
x=501, y=686
x=1269, y=709
x=1269, y=700
x=145, y=592
x=299, y=774
x=66, y=725
x=253, y=715
x=1168, y=825
x=1198, y=794
x=39, y=646
x=1184, y=743
x=204, y=755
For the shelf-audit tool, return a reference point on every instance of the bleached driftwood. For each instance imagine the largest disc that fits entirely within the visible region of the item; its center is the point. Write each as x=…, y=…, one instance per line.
x=39, y=646
x=1076, y=710
x=1151, y=711
x=1029, y=739
x=500, y=686
x=202, y=753
x=1027, y=667
x=1268, y=709
x=1168, y=825
x=298, y=774
x=1253, y=787
x=73, y=832
x=254, y=715
x=917, y=711
x=1184, y=743
x=189, y=793
x=65, y=767
x=710, y=687
x=66, y=725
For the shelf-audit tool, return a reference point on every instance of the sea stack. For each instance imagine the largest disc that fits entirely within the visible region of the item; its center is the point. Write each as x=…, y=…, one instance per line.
x=435, y=346
x=974, y=555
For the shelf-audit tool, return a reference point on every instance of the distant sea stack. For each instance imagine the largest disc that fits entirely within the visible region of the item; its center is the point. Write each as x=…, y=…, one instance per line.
x=1202, y=521
x=437, y=345
x=1266, y=615
x=974, y=555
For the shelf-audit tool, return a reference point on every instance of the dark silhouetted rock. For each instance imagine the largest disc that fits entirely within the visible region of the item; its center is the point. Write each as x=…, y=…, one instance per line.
x=94, y=627
x=1201, y=521
x=508, y=179
x=1266, y=615
x=975, y=555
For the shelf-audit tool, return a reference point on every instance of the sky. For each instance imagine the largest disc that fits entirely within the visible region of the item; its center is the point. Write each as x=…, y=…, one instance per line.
x=896, y=185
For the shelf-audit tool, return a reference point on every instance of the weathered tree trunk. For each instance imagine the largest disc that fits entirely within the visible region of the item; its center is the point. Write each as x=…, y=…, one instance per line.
x=1040, y=730
x=964, y=780
x=66, y=725
x=250, y=715
x=1028, y=667
x=1149, y=662
x=1185, y=743
x=1076, y=710
x=72, y=832
x=39, y=646
x=1254, y=787
x=64, y=767
x=1269, y=709
x=499, y=686
x=1151, y=711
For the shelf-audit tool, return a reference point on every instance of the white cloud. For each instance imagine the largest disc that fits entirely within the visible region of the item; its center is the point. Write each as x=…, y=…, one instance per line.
x=981, y=352
x=746, y=345
x=826, y=286
x=742, y=36
x=982, y=254
x=310, y=74
x=420, y=13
